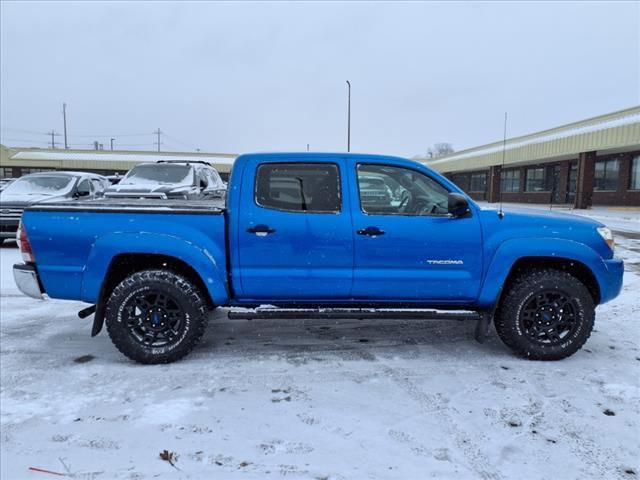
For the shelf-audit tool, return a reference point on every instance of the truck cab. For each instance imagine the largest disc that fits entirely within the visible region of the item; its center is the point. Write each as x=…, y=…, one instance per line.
x=310, y=233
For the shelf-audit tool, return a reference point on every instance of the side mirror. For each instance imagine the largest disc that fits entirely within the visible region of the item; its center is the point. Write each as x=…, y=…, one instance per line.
x=457, y=204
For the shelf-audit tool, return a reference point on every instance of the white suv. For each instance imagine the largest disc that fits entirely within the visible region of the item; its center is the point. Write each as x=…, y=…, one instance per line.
x=170, y=179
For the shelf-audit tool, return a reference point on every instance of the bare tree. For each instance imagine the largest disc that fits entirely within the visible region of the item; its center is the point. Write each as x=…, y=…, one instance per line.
x=440, y=149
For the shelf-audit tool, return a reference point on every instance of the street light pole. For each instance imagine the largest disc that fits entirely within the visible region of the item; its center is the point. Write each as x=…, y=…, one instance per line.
x=112, y=143
x=64, y=119
x=349, y=118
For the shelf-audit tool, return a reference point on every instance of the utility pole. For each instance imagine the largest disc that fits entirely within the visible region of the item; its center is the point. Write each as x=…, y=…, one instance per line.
x=349, y=118
x=112, y=143
x=53, y=138
x=158, y=132
x=64, y=119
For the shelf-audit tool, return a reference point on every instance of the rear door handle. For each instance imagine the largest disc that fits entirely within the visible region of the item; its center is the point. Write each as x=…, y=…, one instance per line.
x=261, y=230
x=370, y=231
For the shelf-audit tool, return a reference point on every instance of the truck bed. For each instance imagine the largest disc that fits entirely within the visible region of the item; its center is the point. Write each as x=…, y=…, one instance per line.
x=135, y=205
x=76, y=242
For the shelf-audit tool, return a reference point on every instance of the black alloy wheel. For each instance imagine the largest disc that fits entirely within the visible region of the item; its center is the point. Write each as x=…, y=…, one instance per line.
x=549, y=317
x=156, y=316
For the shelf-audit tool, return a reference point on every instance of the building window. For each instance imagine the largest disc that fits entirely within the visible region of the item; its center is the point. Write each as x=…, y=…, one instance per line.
x=606, y=176
x=26, y=171
x=6, y=172
x=478, y=182
x=510, y=181
x=461, y=180
x=535, y=180
x=635, y=173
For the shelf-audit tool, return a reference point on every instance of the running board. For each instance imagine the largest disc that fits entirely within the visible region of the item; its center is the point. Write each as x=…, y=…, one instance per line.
x=349, y=313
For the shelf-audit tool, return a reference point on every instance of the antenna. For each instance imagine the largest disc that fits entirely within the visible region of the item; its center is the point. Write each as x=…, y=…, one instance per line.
x=504, y=151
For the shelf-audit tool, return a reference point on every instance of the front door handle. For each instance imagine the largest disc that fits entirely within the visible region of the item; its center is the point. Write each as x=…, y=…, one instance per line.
x=370, y=231
x=261, y=230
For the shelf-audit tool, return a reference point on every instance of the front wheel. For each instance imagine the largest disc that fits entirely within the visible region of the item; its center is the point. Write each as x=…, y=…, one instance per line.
x=155, y=316
x=545, y=315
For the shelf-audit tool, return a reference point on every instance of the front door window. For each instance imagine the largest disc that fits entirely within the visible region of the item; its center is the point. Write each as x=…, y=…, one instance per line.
x=386, y=190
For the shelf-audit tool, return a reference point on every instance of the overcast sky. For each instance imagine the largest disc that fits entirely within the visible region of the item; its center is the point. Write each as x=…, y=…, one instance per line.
x=239, y=77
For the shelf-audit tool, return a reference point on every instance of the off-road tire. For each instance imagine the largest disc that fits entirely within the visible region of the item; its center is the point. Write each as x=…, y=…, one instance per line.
x=185, y=293
x=508, y=320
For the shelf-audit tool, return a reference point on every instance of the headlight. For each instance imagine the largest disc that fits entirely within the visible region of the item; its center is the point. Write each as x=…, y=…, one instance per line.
x=607, y=235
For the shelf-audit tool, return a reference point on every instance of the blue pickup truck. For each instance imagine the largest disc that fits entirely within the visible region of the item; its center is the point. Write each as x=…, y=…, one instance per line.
x=317, y=235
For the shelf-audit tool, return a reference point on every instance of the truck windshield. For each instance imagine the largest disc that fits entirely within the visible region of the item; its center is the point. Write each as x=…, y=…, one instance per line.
x=39, y=185
x=158, y=173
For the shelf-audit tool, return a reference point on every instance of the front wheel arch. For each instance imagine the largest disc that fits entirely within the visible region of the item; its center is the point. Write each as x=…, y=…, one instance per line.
x=573, y=267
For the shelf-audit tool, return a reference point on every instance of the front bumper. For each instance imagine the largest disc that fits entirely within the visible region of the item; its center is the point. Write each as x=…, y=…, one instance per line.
x=26, y=278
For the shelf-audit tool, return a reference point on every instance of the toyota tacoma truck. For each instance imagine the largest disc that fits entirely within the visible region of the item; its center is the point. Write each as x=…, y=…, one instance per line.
x=299, y=233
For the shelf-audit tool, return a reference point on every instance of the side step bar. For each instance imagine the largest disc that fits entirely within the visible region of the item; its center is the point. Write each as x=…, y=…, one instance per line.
x=481, y=332
x=349, y=313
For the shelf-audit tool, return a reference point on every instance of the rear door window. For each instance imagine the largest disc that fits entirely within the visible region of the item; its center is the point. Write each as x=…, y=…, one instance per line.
x=299, y=187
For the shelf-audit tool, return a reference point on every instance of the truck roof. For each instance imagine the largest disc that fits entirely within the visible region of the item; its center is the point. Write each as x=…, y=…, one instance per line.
x=298, y=156
x=347, y=155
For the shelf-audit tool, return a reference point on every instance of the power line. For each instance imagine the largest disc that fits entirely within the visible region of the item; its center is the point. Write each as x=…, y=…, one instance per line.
x=116, y=135
x=24, y=140
x=34, y=132
x=180, y=142
x=112, y=138
x=19, y=130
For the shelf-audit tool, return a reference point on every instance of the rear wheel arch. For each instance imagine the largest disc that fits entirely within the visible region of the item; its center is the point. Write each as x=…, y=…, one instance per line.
x=126, y=264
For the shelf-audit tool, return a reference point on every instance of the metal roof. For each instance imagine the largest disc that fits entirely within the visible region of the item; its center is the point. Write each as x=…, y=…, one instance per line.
x=614, y=132
x=105, y=159
x=116, y=157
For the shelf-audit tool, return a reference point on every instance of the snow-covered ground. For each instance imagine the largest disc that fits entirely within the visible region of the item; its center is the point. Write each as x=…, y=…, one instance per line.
x=321, y=399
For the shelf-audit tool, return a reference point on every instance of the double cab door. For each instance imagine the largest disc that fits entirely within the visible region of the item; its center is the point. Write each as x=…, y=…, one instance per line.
x=340, y=230
x=295, y=237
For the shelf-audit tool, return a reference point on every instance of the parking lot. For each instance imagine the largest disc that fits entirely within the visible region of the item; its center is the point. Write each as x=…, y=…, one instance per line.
x=319, y=399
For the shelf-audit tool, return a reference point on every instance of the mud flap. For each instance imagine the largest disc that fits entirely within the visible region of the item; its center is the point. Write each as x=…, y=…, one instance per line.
x=98, y=319
x=482, y=327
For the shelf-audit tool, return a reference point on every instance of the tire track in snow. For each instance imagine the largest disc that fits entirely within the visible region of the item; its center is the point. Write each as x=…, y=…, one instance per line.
x=432, y=404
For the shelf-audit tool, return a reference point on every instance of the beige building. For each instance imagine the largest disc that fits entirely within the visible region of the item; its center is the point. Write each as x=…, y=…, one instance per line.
x=16, y=161
x=593, y=161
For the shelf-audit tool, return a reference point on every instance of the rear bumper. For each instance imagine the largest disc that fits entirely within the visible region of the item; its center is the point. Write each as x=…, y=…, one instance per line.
x=26, y=278
x=611, y=284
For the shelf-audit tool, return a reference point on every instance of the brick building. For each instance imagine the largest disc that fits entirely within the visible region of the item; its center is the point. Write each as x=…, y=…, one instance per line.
x=592, y=162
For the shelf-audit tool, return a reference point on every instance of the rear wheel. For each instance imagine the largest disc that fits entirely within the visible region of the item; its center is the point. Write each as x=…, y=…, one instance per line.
x=155, y=316
x=545, y=315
